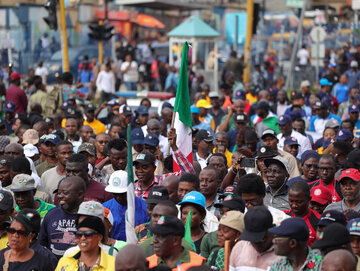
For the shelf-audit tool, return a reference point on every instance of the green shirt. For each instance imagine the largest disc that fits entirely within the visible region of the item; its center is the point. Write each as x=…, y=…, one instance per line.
x=231, y=124
x=42, y=210
x=42, y=167
x=209, y=244
x=148, y=246
x=219, y=261
x=312, y=262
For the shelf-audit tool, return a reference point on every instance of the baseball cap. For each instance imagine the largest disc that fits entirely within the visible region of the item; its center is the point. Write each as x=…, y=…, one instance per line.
x=87, y=147
x=144, y=158
x=353, y=226
x=263, y=105
x=114, y=105
x=233, y=202
x=30, y=219
x=327, y=143
x=278, y=160
x=268, y=132
x=167, y=105
x=354, y=108
x=89, y=107
x=296, y=95
x=213, y=94
x=202, y=103
x=30, y=150
x=22, y=183
x=325, y=82
x=168, y=225
x=320, y=194
x=91, y=208
x=285, y=119
x=258, y=220
x=333, y=235
x=124, y=109
x=353, y=64
x=9, y=106
x=305, y=83
x=195, y=110
x=330, y=217
x=31, y=136
x=204, y=135
x=151, y=140
x=52, y=138
x=294, y=228
x=343, y=135
x=291, y=141
x=350, y=173
x=240, y=118
x=6, y=200
x=332, y=65
x=157, y=194
x=194, y=197
x=15, y=76
x=4, y=141
x=240, y=95
x=137, y=136
x=266, y=152
x=332, y=123
x=117, y=182
x=233, y=220
x=142, y=110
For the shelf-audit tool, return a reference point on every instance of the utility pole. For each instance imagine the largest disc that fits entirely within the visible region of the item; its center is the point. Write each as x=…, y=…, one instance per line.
x=249, y=30
x=64, y=41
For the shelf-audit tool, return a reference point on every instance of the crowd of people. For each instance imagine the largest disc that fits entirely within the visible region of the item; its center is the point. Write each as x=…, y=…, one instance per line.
x=273, y=183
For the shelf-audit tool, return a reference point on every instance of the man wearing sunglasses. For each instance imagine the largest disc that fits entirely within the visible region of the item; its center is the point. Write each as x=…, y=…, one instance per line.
x=290, y=241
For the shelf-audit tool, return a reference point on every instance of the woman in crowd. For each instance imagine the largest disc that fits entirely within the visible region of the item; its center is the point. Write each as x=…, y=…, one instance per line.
x=89, y=234
x=328, y=133
x=309, y=165
x=194, y=201
x=20, y=256
x=230, y=228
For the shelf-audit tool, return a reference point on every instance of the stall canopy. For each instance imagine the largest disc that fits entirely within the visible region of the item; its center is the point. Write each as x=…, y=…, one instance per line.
x=162, y=4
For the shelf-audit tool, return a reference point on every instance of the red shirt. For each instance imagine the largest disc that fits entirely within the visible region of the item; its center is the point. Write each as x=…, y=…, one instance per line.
x=335, y=197
x=311, y=219
x=18, y=96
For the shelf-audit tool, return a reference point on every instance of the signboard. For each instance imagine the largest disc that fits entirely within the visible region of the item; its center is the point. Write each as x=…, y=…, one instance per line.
x=355, y=5
x=318, y=34
x=314, y=50
x=295, y=3
x=230, y=19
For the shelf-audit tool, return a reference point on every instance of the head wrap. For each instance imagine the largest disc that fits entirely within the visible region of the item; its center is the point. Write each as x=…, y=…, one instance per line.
x=309, y=154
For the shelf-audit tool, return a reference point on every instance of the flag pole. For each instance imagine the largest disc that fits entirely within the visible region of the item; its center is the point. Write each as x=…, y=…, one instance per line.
x=172, y=126
x=227, y=255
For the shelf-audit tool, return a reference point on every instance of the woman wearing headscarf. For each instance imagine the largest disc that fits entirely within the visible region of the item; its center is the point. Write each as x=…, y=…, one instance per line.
x=230, y=228
x=309, y=166
x=89, y=234
x=21, y=232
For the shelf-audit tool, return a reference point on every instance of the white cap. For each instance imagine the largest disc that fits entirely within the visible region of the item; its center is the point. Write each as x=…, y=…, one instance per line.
x=278, y=159
x=305, y=83
x=30, y=150
x=117, y=182
x=353, y=64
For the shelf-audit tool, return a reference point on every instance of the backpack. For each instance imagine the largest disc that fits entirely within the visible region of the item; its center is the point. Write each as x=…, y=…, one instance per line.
x=54, y=101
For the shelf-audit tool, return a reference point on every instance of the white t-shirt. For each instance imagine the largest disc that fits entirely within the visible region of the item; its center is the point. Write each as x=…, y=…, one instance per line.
x=303, y=56
x=106, y=82
x=131, y=75
x=42, y=72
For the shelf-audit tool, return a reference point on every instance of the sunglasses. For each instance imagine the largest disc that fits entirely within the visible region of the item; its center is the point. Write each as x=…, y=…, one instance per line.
x=19, y=232
x=86, y=234
x=309, y=166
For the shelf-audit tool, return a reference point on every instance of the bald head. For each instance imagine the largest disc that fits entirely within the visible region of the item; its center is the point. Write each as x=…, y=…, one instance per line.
x=171, y=183
x=264, y=95
x=153, y=127
x=75, y=181
x=131, y=257
x=339, y=260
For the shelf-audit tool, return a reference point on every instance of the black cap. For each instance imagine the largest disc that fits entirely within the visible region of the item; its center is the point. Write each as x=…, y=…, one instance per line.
x=334, y=235
x=30, y=219
x=258, y=220
x=268, y=132
x=240, y=118
x=205, y=135
x=157, y=194
x=168, y=225
x=294, y=227
x=263, y=105
x=89, y=107
x=233, y=202
x=145, y=158
x=266, y=152
x=330, y=217
x=296, y=95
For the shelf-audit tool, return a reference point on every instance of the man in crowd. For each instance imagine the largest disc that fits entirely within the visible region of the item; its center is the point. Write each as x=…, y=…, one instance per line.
x=117, y=154
x=16, y=95
x=209, y=183
x=50, y=142
x=204, y=141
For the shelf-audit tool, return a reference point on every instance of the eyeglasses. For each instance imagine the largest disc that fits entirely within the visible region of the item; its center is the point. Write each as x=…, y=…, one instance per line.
x=252, y=202
x=19, y=232
x=309, y=166
x=103, y=142
x=86, y=234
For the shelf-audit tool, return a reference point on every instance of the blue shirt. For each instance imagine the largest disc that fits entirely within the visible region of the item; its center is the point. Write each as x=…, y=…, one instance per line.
x=298, y=178
x=341, y=92
x=57, y=231
x=357, y=128
x=118, y=212
x=204, y=126
x=171, y=81
x=353, y=78
x=318, y=124
x=232, y=138
x=85, y=77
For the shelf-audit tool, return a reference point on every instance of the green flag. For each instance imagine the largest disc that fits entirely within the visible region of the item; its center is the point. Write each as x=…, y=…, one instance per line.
x=187, y=236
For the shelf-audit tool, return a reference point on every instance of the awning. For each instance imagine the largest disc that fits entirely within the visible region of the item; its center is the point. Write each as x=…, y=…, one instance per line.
x=162, y=4
x=148, y=21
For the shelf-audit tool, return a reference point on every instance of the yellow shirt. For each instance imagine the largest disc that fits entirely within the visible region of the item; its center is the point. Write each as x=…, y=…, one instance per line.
x=70, y=262
x=228, y=156
x=250, y=98
x=97, y=126
x=4, y=242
